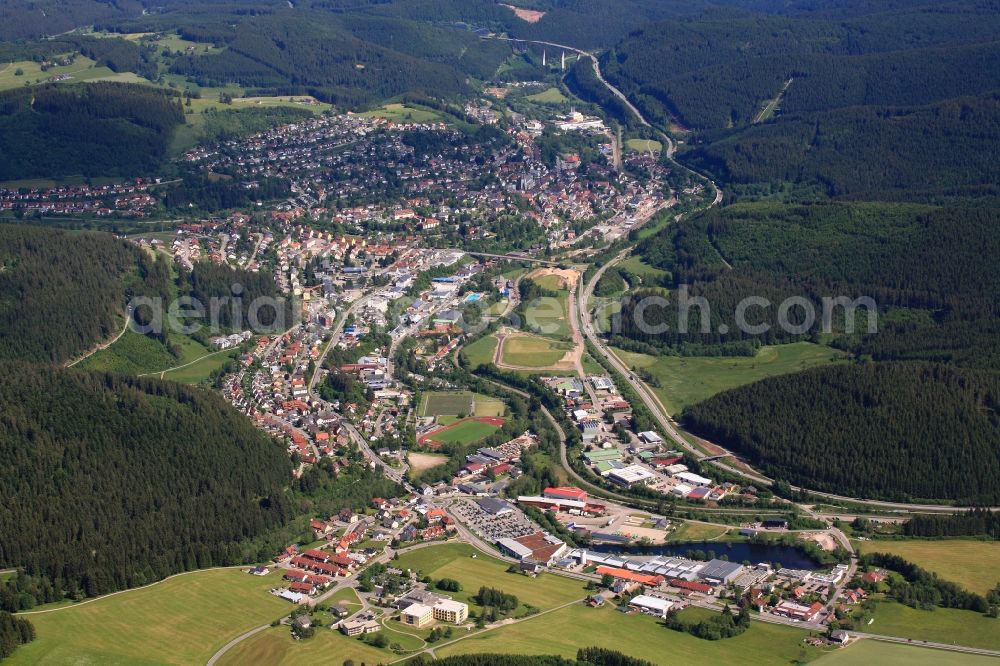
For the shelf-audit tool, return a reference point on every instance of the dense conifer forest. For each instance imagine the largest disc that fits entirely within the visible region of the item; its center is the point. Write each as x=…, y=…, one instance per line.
x=922, y=265
x=976, y=522
x=827, y=100
x=286, y=54
x=111, y=482
x=14, y=631
x=898, y=430
x=246, y=299
x=54, y=304
x=868, y=153
x=21, y=19
x=93, y=129
x=715, y=70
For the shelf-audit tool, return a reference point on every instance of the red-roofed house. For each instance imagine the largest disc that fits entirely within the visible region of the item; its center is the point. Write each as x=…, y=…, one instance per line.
x=432, y=532
x=873, y=576
x=316, y=554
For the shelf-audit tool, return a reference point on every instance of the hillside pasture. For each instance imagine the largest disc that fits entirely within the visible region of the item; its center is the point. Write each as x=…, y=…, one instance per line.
x=975, y=565
x=181, y=620
x=686, y=380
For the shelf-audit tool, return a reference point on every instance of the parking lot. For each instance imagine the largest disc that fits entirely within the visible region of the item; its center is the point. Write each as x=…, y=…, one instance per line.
x=490, y=527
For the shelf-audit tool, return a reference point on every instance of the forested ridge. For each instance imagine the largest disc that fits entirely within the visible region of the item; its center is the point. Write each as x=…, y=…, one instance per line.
x=867, y=102
x=112, y=482
x=288, y=53
x=715, y=69
x=938, y=153
x=35, y=18
x=896, y=430
x=93, y=129
x=54, y=305
x=922, y=265
x=897, y=105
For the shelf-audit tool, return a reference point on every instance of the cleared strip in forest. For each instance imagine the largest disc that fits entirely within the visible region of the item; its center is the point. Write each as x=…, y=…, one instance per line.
x=771, y=106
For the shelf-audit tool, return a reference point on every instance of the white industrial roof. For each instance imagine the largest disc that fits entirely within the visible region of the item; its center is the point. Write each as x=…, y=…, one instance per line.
x=693, y=478
x=655, y=603
x=632, y=474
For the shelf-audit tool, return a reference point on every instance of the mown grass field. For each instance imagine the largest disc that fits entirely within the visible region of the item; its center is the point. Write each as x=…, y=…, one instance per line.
x=549, y=316
x=869, y=652
x=487, y=406
x=643, y=145
x=564, y=631
x=975, y=565
x=275, y=646
x=697, y=532
x=346, y=596
x=137, y=354
x=650, y=275
x=550, y=282
x=82, y=69
x=437, y=403
x=454, y=560
x=440, y=403
x=199, y=371
x=466, y=432
x=941, y=625
x=182, y=620
x=482, y=351
x=402, y=113
x=405, y=636
x=548, y=96
x=688, y=380
x=533, y=351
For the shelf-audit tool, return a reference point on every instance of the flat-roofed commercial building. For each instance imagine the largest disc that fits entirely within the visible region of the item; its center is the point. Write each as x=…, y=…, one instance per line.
x=651, y=605
x=630, y=476
x=449, y=610
x=721, y=572
x=417, y=615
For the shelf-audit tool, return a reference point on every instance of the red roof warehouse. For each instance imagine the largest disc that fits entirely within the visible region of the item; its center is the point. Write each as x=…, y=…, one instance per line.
x=568, y=493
